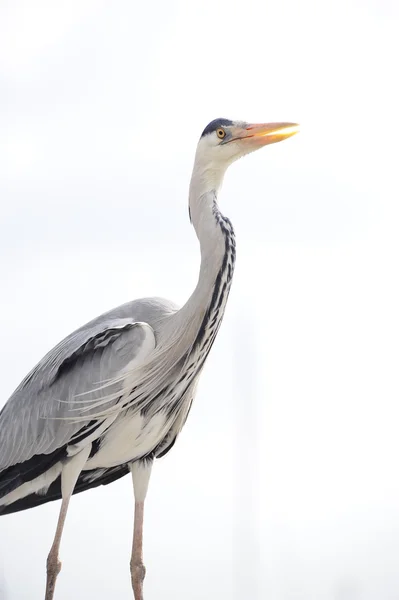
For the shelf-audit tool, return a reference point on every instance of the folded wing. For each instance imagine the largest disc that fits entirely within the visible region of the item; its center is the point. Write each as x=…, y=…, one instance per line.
x=38, y=422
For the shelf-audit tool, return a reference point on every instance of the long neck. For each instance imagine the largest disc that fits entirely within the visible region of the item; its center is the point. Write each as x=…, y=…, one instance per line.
x=217, y=244
x=211, y=228
x=188, y=334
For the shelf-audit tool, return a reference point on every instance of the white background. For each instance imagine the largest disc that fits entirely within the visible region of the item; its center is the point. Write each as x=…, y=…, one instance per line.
x=284, y=483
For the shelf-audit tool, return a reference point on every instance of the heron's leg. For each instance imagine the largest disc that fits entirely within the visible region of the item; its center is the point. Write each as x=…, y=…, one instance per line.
x=53, y=564
x=69, y=477
x=141, y=472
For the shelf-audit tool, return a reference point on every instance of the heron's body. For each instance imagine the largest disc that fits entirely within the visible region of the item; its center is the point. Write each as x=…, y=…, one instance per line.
x=27, y=480
x=23, y=483
x=115, y=394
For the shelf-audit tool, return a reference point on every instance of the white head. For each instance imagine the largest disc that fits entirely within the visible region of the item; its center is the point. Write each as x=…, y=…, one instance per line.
x=224, y=141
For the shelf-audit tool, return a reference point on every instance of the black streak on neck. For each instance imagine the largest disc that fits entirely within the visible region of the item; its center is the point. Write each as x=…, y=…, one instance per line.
x=225, y=272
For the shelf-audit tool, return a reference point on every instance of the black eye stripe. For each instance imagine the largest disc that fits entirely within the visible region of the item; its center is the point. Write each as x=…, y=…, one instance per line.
x=215, y=125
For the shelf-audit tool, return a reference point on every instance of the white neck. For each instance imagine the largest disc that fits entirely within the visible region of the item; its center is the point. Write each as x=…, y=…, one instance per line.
x=206, y=219
x=204, y=187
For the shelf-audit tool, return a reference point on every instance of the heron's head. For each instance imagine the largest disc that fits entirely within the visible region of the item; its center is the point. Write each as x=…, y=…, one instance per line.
x=224, y=141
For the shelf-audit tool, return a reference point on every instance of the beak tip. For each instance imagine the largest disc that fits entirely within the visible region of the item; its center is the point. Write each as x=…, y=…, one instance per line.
x=274, y=132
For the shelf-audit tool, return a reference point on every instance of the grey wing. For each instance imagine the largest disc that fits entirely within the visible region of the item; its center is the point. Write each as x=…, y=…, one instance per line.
x=38, y=417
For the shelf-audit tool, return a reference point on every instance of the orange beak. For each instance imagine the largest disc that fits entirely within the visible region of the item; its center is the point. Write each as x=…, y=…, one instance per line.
x=266, y=133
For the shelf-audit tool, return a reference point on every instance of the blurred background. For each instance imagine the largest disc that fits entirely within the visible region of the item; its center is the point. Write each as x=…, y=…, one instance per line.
x=283, y=484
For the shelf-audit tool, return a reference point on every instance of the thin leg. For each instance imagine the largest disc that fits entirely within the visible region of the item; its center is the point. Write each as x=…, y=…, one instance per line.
x=69, y=477
x=137, y=568
x=53, y=564
x=141, y=472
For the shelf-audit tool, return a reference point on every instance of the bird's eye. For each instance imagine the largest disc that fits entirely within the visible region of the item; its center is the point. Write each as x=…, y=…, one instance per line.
x=220, y=133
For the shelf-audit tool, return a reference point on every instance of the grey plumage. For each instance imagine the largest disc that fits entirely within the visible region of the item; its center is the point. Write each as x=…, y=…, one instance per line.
x=32, y=421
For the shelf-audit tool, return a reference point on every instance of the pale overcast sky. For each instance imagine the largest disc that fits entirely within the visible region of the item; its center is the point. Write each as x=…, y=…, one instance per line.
x=284, y=483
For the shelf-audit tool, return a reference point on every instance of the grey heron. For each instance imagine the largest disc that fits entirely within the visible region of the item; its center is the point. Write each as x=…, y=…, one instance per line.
x=114, y=395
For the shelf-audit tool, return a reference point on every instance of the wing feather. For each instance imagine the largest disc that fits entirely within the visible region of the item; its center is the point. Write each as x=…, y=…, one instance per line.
x=36, y=420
